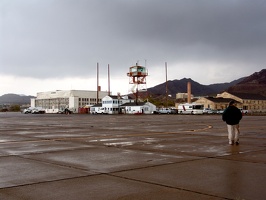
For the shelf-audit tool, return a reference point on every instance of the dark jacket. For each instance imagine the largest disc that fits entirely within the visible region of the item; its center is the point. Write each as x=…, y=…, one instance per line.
x=232, y=115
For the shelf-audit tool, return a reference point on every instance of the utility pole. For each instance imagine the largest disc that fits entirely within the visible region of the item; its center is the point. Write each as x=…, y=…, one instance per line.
x=109, y=80
x=166, y=84
x=97, y=96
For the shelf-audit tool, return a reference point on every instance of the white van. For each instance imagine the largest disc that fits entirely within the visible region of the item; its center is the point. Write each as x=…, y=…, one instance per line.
x=190, y=108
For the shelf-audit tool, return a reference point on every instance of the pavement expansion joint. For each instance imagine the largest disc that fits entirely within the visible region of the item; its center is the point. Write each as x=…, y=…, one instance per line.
x=55, y=163
x=167, y=186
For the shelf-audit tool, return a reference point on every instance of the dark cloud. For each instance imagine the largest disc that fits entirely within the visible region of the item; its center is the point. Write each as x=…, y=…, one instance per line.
x=65, y=38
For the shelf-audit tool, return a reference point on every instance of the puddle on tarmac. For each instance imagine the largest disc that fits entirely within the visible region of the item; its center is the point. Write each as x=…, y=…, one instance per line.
x=119, y=144
x=105, y=140
x=159, y=146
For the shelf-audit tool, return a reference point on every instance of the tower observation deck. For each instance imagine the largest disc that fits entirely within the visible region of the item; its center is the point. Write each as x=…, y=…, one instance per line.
x=137, y=77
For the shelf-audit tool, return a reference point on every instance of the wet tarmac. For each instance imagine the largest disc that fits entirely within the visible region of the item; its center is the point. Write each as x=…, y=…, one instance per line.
x=65, y=157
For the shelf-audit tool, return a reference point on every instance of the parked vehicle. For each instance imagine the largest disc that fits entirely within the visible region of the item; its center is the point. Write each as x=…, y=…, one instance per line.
x=174, y=111
x=65, y=111
x=207, y=111
x=243, y=111
x=220, y=111
x=101, y=111
x=34, y=110
x=214, y=112
x=27, y=110
x=190, y=108
x=166, y=111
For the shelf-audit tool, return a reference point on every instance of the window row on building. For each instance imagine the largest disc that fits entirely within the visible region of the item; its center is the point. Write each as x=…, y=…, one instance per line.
x=250, y=102
x=58, y=100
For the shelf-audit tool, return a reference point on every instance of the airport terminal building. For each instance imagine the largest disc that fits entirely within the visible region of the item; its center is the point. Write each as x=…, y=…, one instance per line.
x=55, y=101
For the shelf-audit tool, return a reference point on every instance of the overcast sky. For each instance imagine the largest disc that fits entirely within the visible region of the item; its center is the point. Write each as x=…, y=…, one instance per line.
x=50, y=45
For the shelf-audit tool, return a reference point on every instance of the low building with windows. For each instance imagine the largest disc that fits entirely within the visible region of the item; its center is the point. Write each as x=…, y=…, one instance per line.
x=55, y=101
x=214, y=103
x=140, y=108
x=122, y=105
x=110, y=104
x=249, y=102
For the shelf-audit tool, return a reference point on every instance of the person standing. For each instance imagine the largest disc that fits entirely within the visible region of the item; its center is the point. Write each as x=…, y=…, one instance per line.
x=232, y=116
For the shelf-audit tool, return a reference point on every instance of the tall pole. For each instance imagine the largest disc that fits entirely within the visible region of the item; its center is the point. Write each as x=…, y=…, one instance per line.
x=137, y=89
x=97, y=96
x=109, y=80
x=166, y=84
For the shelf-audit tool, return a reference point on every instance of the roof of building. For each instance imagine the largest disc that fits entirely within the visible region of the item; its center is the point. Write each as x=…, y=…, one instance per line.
x=128, y=96
x=249, y=96
x=133, y=104
x=219, y=99
x=97, y=105
x=113, y=96
x=123, y=97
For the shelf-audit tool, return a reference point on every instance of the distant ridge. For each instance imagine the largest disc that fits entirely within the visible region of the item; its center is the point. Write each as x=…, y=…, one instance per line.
x=253, y=84
x=15, y=99
x=180, y=86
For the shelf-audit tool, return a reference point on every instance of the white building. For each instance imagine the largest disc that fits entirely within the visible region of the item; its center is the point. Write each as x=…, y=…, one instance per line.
x=110, y=104
x=54, y=101
x=139, y=108
x=122, y=104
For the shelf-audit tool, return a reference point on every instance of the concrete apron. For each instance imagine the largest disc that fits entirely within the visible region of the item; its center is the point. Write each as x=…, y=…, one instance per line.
x=77, y=161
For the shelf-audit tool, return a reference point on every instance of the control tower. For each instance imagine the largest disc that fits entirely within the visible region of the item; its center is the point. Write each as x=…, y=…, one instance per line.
x=137, y=78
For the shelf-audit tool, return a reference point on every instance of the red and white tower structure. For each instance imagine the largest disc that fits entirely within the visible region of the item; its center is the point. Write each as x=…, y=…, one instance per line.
x=137, y=78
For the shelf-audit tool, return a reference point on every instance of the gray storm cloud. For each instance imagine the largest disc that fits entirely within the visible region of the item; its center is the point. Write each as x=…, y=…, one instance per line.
x=65, y=38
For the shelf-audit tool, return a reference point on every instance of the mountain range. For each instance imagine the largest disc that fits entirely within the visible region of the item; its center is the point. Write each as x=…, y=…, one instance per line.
x=15, y=99
x=255, y=83
x=180, y=86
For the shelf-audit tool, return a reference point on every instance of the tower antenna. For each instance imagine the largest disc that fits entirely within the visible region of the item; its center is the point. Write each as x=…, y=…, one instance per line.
x=109, y=80
x=97, y=96
x=166, y=84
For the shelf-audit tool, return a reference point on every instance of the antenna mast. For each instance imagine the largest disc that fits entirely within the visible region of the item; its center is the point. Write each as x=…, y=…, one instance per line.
x=166, y=84
x=109, y=80
x=97, y=96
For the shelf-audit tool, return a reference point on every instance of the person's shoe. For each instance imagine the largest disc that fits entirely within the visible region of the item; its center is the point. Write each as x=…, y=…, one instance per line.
x=237, y=143
x=231, y=142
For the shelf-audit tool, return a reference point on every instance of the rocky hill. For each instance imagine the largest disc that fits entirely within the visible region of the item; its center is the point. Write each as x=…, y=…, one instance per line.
x=15, y=99
x=180, y=86
x=255, y=84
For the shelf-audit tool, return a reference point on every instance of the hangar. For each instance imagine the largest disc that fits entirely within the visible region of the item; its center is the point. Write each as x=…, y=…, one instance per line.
x=55, y=101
